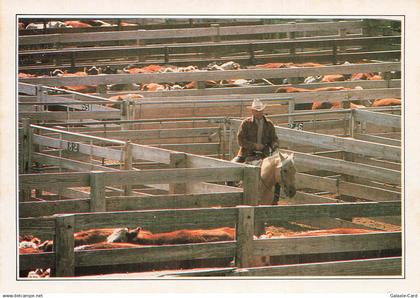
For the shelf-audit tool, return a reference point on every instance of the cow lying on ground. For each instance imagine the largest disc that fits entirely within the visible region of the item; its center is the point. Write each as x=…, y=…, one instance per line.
x=77, y=24
x=384, y=102
x=140, y=236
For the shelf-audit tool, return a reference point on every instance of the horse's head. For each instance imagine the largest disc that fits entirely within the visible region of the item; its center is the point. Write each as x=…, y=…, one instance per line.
x=286, y=173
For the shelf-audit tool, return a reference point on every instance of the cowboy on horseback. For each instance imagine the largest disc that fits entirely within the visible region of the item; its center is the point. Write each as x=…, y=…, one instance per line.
x=257, y=138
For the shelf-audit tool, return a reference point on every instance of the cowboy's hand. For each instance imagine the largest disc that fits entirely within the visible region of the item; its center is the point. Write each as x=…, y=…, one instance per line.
x=259, y=147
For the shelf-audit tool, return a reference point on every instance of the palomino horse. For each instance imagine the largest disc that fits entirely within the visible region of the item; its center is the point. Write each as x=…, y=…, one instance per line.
x=277, y=168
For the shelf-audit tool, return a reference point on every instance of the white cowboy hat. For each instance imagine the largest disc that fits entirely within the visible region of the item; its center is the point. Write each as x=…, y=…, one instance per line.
x=257, y=105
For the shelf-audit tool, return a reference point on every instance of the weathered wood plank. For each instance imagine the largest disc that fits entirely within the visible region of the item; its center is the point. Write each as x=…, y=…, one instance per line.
x=186, y=32
x=204, y=187
x=315, y=182
x=335, y=185
x=377, y=139
x=378, y=163
x=34, y=261
x=160, y=220
x=307, y=161
x=196, y=148
x=378, y=118
x=272, y=98
x=69, y=163
x=214, y=75
x=196, y=161
x=70, y=115
x=369, y=267
x=149, y=153
x=64, y=179
x=174, y=201
x=328, y=244
x=28, y=89
x=307, y=198
x=173, y=176
x=367, y=192
x=64, y=246
x=109, y=153
x=162, y=253
x=340, y=210
x=156, y=133
x=36, y=209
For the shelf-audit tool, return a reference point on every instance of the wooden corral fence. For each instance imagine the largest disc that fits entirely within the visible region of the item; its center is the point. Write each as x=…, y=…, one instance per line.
x=80, y=152
x=251, y=51
x=64, y=259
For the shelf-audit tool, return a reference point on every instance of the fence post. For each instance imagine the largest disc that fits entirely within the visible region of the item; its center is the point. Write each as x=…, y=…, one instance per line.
x=292, y=35
x=64, y=246
x=352, y=123
x=244, y=236
x=251, y=182
x=291, y=110
x=26, y=162
x=128, y=164
x=125, y=115
x=27, y=146
x=97, y=191
x=342, y=33
x=216, y=36
x=178, y=160
x=201, y=85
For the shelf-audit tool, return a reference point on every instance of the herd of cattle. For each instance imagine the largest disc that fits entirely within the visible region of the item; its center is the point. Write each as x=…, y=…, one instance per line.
x=70, y=24
x=107, y=238
x=231, y=65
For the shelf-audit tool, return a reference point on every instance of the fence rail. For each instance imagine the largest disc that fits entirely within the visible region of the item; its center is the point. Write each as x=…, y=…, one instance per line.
x=214, y=75
x=186, y=33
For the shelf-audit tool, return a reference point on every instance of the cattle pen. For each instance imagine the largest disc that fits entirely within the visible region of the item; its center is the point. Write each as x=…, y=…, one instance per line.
x=160, y=160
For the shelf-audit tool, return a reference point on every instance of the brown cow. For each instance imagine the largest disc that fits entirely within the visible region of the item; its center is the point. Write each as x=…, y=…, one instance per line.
x=106, y=245
x=365, y=76
x=81, y=238
x=333, y=78
x=384, y=102
x=77, y=24
x=131, y=69
x=140, y=236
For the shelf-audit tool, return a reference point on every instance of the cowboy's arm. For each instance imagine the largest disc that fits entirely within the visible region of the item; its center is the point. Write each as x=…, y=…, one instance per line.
x=243, y=141
x=274, y=144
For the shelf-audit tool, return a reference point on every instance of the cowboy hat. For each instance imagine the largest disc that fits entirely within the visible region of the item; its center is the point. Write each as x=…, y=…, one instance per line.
x=257, y=105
